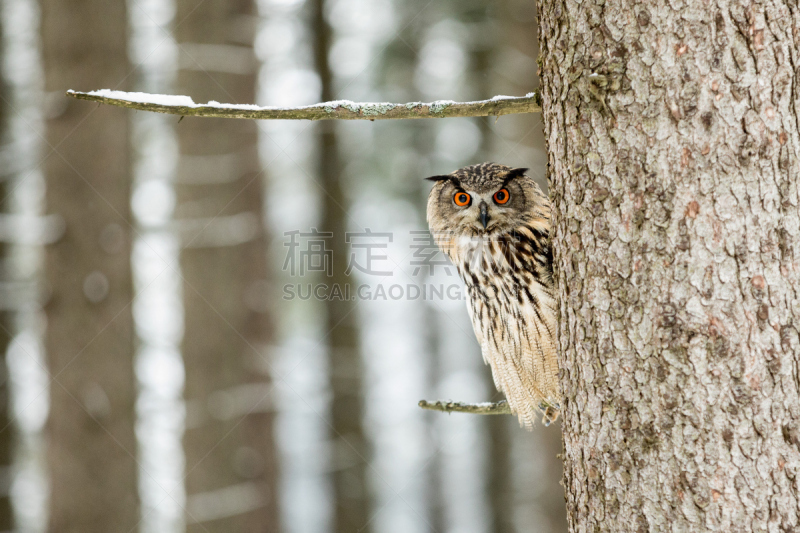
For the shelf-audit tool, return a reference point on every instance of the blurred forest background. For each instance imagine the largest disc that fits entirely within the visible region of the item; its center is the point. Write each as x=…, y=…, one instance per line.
x=164, y=367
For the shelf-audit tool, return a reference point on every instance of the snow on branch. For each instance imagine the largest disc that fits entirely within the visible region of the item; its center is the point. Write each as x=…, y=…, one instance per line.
x=340, y=109
x=485, y=408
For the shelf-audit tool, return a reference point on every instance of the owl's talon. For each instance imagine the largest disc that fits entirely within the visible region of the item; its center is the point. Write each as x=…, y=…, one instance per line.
x=549, y=412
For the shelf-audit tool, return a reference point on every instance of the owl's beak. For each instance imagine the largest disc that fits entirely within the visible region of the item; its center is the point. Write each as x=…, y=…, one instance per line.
x=484, y=218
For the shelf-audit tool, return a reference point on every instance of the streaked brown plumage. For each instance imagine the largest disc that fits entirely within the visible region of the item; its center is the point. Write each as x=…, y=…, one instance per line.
x=493, y=222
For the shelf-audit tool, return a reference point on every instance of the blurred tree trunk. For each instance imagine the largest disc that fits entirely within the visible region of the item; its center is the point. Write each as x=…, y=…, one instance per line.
x=350, y=448
x=231, y=478
x=500, y=489
x=513, y=71
x=397, y=67
x=90, y=339
x=673, y=141
x=7, y=437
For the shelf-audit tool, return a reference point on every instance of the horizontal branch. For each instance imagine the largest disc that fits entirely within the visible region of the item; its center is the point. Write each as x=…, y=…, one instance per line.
x=340, y=109
x=485, y=408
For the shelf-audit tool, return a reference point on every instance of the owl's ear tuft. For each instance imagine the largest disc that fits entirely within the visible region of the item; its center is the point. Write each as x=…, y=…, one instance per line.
x=438, y=178
x=516, y=172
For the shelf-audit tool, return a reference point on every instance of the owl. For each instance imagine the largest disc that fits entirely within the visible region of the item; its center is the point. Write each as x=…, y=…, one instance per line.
x=493, y=222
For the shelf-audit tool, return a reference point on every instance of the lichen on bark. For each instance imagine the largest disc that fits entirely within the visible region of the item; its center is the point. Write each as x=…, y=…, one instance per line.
x=673, y=138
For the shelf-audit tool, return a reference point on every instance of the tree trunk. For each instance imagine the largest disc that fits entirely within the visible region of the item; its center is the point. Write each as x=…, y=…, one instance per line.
x=349, y=444
x=90, y=339
x=7, y=427
x=231, y=479
x=673, y=144
x=499, y=483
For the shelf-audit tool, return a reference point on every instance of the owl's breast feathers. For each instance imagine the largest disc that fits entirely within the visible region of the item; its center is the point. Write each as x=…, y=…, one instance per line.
x=509, y=284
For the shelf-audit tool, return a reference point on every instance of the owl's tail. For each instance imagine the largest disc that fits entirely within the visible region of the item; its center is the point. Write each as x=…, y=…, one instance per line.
x=529, y=395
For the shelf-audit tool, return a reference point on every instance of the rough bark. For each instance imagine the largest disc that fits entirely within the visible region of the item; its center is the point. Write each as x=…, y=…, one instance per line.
x=7, y=428
x=231, y=478
x=673, y=155
x=350, y=450
x=89, y=341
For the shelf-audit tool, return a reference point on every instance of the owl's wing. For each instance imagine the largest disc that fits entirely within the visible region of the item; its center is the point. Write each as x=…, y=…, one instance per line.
x=521, y=355
x=538, y=328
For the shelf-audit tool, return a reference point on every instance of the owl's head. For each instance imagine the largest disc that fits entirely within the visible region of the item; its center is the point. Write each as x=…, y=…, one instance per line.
x=485, y=200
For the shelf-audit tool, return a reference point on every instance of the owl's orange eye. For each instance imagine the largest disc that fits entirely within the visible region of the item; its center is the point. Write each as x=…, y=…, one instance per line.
x=461, y=199
x=502, y=196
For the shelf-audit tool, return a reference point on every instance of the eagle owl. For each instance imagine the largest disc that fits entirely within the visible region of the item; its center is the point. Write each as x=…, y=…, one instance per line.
x=493, y=222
